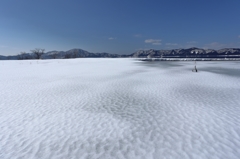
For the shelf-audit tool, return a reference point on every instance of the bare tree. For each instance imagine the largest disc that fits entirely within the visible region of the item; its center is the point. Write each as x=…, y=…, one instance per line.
x=22, y=55
x=67, y=56
x=75, y=53
x=54, y=55
x=38, y=52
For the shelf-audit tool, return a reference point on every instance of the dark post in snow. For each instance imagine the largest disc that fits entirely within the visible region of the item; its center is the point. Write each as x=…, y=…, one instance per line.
x=195, y=68
x=38, y=52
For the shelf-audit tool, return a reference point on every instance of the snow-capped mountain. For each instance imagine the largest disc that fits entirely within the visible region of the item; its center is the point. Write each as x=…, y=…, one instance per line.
x=184, y=53
x=191, y=52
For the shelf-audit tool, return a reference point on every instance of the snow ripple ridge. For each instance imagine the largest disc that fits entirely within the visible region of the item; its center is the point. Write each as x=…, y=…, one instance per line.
x=119, y=108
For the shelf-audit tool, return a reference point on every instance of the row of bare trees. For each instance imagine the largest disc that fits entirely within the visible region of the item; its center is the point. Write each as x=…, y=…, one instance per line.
x=37, y=53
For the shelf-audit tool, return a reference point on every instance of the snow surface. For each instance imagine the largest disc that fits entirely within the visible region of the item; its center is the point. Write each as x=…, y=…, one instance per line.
x=119, y=108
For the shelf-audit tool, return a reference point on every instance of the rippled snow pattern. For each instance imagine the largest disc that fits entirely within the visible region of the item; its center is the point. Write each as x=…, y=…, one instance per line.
x=119, y=108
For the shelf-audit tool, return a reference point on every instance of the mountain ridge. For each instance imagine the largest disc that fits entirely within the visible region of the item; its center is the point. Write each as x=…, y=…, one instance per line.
x=151, y=53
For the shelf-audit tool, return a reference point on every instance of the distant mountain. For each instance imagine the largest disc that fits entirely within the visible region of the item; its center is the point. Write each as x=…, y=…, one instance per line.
x=73, y=53
x=174, y=53
x=191, y=52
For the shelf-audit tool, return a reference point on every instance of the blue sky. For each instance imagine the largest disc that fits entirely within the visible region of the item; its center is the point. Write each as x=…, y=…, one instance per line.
x=117, y=26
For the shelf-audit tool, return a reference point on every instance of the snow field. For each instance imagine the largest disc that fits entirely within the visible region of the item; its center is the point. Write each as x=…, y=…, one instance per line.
x=119, y=108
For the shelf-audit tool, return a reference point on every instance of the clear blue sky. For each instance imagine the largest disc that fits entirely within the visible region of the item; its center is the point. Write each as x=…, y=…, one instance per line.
x=117, y=26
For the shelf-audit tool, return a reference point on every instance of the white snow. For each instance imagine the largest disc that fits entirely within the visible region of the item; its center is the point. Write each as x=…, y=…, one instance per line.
x=119, y=108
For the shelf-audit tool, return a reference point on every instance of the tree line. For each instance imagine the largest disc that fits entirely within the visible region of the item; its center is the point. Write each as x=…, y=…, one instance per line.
x=38, y=52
